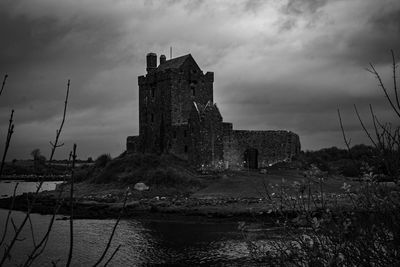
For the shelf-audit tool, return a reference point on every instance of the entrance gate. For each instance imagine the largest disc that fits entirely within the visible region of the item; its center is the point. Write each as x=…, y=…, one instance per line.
x=251, y=158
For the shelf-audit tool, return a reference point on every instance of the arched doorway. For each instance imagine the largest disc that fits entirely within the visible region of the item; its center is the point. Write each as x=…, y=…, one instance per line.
x=251, y=158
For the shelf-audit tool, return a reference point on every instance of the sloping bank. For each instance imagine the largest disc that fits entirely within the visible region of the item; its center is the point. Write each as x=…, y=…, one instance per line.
x=230, y=208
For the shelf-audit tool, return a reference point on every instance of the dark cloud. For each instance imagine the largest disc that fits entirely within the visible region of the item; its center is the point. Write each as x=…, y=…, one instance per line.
x=380, y=34
x=278, y=64
x=303, y=7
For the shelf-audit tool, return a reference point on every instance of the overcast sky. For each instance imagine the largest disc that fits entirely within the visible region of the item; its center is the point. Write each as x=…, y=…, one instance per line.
x=278, y=65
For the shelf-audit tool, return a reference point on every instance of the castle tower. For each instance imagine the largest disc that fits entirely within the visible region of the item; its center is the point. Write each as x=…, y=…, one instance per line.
x=166, y=95
x=177, y=115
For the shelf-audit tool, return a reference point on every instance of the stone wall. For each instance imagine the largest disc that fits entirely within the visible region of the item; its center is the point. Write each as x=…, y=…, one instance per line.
x=132, y=143
x=180, y=141
x=271, y=146
x=206, y=136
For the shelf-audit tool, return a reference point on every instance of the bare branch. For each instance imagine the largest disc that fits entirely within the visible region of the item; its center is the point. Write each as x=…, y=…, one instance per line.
x=7, y=251
x=60, y=145
x=378, y=136
x=32, y=231
x=71, y=202
x=9, y=214
x=4, y=83
x=113, y=231
x=363, y=126
x=39, y=248
x=10, y=131
x=347, y=142
x=112, y=255
x=58, y=132
x=13, y=224
x=378, y=77
x=388, y=133
x=394, y=79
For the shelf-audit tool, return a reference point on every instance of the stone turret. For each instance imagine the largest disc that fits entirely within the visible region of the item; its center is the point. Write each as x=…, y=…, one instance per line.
x=151, y=62
x=162, y=59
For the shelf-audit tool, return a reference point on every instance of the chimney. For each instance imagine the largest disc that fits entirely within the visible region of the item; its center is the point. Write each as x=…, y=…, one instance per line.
x=162, y=59
x=151, y=61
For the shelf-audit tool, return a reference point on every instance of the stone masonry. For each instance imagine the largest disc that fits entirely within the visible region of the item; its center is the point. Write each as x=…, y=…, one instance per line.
x=177, y=115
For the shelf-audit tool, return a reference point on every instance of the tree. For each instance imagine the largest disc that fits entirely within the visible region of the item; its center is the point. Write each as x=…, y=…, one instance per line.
x=39, y=161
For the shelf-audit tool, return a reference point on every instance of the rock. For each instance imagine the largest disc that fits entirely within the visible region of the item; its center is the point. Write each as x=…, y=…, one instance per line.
x=141, y=187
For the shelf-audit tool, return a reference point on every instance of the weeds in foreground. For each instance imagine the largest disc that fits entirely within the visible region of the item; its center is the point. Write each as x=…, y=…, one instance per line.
x=40, y=244
x=358, y=229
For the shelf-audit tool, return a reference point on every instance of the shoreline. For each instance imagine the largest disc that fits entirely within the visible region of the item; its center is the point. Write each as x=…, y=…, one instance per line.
x=206, y=209
x=33, y=179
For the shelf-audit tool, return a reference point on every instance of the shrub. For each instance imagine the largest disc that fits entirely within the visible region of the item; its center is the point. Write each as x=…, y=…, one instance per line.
x=102, y=160
x=350, y=169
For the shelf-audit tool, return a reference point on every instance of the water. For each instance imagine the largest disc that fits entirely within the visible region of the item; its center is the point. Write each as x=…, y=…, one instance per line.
x=181, y=241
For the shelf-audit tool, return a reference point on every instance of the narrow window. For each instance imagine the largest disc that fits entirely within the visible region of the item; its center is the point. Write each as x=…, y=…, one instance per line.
x=184, y=133
x=193, y=91
x=152, y=117
x=153, y=91
x=174, y=134
x=186, y=149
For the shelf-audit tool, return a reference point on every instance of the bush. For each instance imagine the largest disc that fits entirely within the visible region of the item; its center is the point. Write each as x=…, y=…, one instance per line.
x=102, y=160
x=154, y=170
x=83, y=173
x=350, y=169
x=166, y=177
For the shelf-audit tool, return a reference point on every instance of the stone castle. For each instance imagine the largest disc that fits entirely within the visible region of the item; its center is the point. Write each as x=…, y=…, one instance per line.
x=177, y=115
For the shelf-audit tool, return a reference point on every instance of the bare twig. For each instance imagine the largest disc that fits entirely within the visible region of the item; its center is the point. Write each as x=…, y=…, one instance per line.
x=394, y=66
x=18, y=230
x=4, y=83
x=346, y=141
x=113, y=231
x=363, y=126
x=71, y=203
x=8, y=140
x=39, y=248
x=9, y=214
x=381, y=84
x=112, y=255
x=55, y=145
x=391, y=137
x=31, y=227
x=377, y=134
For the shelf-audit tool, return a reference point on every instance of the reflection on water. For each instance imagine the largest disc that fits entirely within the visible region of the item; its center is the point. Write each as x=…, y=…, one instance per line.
x=144, y=241
x=7, y=187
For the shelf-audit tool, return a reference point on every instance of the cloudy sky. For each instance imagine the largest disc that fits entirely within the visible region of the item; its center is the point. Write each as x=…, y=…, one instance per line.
x=278, y=65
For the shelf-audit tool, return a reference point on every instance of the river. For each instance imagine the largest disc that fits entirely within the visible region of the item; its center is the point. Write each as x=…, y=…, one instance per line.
x=181, y=241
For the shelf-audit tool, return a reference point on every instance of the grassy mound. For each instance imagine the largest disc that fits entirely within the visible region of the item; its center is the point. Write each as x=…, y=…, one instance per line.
x=153, y=170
